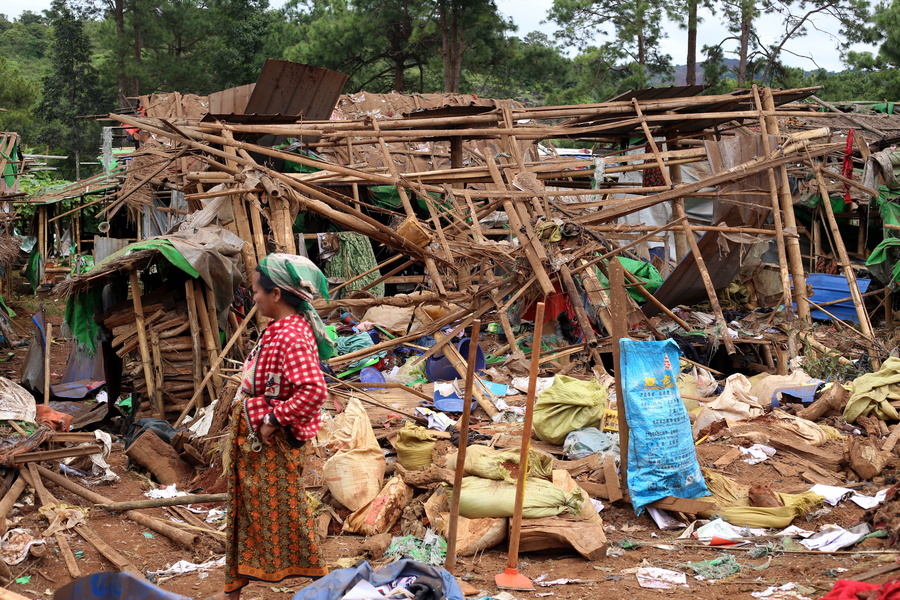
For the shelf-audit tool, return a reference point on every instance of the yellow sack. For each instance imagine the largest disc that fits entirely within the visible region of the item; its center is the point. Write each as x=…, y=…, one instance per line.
x=733, y=501
x=567, y=405
x=414, y=445
x=502, y=465
x=486, y=498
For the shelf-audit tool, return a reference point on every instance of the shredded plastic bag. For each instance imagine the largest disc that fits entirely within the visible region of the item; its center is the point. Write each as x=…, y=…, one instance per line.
x=735, y=403
x=414, y=445
x=582, y=443
x=503, y=465
x=567, y=405
x=661, y=457
x=487, y=498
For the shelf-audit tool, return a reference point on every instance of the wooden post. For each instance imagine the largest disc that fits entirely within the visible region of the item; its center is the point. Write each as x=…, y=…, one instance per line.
x=46, y=500
x=795, y=258
x=618, y=299
x=587, y=329
x=196, y=348
x=48, y=341
x=159, y=408
x=861, y=313
x=213, y=316
x=146, y=360
x=214, y=368
x=212, y=353
x=681, y=245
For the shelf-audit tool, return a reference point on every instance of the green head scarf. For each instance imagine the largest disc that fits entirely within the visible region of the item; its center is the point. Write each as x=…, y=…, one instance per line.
x=300, y=276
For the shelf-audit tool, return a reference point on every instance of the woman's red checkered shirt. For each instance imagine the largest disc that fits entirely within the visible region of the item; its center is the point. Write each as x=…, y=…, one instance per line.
x=287, y=379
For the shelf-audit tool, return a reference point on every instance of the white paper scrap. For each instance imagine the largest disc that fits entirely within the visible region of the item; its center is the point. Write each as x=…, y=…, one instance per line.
x=831, y=493
x=660, y=579
x=757, y=453
x=869, y=502
x=664, y=520
x=833, y=537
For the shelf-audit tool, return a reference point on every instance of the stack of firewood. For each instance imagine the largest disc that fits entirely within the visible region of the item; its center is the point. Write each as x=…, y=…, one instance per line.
x=173, y=326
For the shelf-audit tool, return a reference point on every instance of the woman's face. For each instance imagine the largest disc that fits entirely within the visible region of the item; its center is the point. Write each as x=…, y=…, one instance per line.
x=266, y=302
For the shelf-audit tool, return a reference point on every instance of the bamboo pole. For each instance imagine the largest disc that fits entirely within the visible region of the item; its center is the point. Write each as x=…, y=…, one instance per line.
x=450, y=562
x=216, y=364
x=48, y=343
x=794, y=255
x=776, y=210
x=864, y=324
x=146, y=359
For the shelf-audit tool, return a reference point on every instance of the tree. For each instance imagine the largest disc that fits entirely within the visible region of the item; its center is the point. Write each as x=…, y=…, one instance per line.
x=635, y=27
x=71, y=89
x=379, y=44
x=462, y=26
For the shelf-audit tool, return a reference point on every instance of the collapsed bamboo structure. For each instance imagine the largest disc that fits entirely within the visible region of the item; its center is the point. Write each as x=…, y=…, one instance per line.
x=494, y=220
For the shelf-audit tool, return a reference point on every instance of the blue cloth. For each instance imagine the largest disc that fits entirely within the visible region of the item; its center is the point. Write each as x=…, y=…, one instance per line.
x=337, y=583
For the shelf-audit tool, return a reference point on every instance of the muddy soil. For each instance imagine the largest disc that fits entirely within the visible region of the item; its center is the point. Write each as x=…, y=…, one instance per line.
x=612, y=577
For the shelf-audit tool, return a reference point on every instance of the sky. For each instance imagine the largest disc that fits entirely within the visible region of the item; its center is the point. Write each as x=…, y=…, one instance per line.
x=528, y=14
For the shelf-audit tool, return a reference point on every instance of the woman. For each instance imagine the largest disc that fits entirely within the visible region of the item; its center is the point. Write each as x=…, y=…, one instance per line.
x=271, y=532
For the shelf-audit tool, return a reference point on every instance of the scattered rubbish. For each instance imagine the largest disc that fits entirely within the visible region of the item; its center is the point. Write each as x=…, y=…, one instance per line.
x=660, y=579
x=717, y=568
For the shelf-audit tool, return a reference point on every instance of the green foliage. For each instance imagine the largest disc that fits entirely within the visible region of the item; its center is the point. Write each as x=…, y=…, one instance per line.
x=71, y=89
x=828, y=367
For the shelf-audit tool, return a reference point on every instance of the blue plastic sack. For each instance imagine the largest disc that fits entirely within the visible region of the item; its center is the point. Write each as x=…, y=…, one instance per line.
x=661, y=457
x=109, y=585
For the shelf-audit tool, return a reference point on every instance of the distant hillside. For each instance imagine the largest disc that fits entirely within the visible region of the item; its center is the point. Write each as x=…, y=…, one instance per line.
x=681, y=72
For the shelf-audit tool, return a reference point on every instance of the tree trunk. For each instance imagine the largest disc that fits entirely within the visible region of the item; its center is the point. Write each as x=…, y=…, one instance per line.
x=135, y=79
x=452, y=46
x=744, y=50
x=691, y=75
x=119, y=16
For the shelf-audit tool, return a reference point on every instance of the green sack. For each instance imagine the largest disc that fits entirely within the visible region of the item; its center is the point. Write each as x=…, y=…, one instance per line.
x=496, y=499
x=503, y=465
x=567, y=405
x=414, y=445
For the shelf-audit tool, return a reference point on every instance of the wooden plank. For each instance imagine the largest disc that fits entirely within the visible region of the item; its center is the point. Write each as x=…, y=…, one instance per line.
x=876, y=572
x=728, y=458
x=892, y=439
x=594, y=490
x=613, y=489
x=620, y=330
x=27, y=457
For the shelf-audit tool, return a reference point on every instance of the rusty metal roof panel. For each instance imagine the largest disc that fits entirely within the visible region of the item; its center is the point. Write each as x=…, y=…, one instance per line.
x=289, y=88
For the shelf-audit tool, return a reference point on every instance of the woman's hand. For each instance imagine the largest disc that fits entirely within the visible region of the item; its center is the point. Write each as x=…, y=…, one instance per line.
x=267, y=433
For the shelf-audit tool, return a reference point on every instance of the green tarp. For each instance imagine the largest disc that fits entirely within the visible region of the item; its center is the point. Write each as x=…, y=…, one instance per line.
x=81, y=308
x=642, y=270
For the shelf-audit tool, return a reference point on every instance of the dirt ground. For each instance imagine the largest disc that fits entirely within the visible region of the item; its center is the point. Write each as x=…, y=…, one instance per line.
x=633, y=541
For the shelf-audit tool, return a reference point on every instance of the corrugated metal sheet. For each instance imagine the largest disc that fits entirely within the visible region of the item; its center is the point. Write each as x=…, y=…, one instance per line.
x=288, y=88
x=233, y=100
